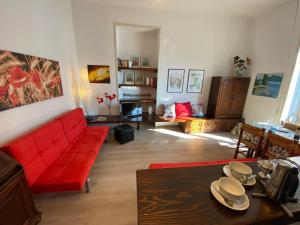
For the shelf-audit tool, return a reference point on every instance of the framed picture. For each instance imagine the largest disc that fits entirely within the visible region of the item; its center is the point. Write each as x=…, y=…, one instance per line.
x=145, y=62
x=175, y=80
x=135, y=61
x=267, y=84
x=139, y=78
x=99, y=74
x=195, y=81
x=26, y=79
x=128, y=77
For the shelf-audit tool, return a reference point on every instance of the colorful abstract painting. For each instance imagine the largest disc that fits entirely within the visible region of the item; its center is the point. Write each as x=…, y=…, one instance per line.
x=98, y=74
x=267, y=84
x=26, y=79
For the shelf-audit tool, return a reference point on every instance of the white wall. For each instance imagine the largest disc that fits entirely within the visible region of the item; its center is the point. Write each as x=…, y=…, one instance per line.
x=274, y=51
x=44, y=29
x=186, y=41
x=131, y=42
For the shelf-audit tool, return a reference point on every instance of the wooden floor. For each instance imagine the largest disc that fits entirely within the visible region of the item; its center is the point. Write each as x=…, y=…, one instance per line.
x=112, y=200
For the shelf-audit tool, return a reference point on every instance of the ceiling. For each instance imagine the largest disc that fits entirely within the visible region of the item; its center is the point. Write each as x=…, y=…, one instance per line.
x=244, y=8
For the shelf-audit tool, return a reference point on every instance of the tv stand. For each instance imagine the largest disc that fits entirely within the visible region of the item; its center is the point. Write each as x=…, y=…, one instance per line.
x=145, y=118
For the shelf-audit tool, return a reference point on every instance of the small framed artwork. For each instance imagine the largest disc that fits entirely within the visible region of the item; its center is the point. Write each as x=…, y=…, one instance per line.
x=128, y=77
x=267, y=84
x=145, y=62
x=98, y=74
x=135, y=61
x=139, y=78
x=175, y=80
x=195, y=81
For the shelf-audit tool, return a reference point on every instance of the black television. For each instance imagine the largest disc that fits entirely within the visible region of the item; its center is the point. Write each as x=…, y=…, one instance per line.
x=131, y=109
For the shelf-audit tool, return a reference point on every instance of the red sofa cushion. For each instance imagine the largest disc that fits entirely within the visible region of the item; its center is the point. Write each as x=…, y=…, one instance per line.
x=193, y=164
x=183, y=109
x=73, y=124
x=51, y=141
x=25, y=151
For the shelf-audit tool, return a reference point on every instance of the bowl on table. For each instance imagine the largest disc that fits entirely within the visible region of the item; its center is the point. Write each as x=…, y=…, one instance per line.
x=231, y=189
x=241, y=171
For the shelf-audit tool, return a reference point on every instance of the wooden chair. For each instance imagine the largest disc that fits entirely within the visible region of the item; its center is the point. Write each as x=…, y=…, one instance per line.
x=251, y=137
x=290, y=126
x=280, y=147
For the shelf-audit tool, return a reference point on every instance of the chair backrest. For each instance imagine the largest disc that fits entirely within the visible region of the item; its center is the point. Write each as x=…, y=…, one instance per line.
x=251, y=134
x=280, y=147
x=290, y=126
x=255, y=131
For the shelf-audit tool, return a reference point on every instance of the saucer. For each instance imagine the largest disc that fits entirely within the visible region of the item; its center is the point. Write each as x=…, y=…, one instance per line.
x=243, y=205
x=226, y=170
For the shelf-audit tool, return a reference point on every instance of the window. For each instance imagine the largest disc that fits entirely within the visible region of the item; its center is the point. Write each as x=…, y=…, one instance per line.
x=291, y=111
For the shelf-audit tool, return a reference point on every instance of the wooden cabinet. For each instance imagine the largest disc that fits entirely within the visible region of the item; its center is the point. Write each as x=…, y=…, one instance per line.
x=227, y=97
x=206, y=125
x=16, y=203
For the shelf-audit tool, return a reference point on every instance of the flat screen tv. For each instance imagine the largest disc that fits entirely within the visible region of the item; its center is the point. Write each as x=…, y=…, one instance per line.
x=131, y=109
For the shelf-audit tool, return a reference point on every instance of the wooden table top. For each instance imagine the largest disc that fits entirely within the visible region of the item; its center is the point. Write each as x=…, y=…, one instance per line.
x=181, y=196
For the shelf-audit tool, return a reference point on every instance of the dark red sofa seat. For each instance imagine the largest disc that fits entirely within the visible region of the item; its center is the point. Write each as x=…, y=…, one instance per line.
x=193, y=164
x=59, y=155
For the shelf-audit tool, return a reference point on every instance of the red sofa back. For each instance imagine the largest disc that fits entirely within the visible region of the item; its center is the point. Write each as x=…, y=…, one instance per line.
x=40, y=148
x=73, y=124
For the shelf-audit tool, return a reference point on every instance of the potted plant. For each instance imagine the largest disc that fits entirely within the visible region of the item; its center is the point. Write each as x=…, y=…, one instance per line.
x=241, y=65
x=108, y=100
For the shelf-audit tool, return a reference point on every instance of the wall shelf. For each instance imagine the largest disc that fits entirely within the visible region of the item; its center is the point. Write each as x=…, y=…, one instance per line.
x=148, y=100
x=153, y=70
x=136, y=85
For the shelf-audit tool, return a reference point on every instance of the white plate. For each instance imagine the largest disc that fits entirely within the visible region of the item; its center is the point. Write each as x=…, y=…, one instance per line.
x=226, y=170
x=245, y=203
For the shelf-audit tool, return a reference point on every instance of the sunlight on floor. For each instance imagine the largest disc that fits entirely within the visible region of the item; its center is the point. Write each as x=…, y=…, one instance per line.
x=176, y=134
x=216, y=137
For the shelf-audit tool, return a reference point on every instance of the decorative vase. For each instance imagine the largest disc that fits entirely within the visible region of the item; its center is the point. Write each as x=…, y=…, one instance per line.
x=150, y=110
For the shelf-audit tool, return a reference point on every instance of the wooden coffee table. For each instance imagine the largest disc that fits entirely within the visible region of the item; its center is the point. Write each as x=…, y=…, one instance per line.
x=145, y=118
x=181, y=196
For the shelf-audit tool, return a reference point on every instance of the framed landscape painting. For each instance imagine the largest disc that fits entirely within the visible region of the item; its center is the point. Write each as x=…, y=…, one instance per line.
x=99, y=74
x=175, y=80
x=26, y=79
x=195, y=81
x=267, y=84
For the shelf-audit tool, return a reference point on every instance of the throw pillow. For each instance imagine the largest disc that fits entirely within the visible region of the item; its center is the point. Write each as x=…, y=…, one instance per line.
x=183, y=109
x=197, y=110
x=169, y=110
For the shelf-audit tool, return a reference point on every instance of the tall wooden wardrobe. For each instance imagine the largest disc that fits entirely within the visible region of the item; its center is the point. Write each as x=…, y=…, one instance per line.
x=227, y=97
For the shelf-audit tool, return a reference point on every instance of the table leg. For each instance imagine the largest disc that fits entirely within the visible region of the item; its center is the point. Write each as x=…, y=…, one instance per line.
x=138, y=125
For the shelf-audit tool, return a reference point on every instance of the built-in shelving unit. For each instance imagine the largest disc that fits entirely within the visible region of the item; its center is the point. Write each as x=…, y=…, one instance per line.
x=136, y=85
x=153, y=70
x=150, y=100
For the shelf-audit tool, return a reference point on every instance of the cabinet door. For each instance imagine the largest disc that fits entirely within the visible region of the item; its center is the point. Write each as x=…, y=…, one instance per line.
x=239, y=97
x=225, y=98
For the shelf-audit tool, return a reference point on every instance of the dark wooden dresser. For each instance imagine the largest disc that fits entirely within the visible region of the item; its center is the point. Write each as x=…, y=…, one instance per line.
x=16, y=202
x=227, y=97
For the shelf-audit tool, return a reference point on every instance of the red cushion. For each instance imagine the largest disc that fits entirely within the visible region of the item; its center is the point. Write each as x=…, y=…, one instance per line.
x=25, y=151
x=62, y=178
x=193, y=164
x=51, y=141
x=183, y=109
x=73, y=124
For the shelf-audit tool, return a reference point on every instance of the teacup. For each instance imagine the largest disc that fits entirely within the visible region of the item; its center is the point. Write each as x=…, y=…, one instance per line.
x=231, y=189
x=240, y=171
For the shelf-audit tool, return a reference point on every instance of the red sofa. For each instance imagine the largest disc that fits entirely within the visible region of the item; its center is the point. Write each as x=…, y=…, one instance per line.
x=58, y=156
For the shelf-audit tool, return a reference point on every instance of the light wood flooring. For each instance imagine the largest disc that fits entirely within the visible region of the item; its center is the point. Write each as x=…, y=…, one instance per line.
x=112, y=200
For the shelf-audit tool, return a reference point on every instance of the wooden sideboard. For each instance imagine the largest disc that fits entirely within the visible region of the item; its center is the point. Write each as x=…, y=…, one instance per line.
x=207, y=125
x=227, y=97
x=16, y=203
